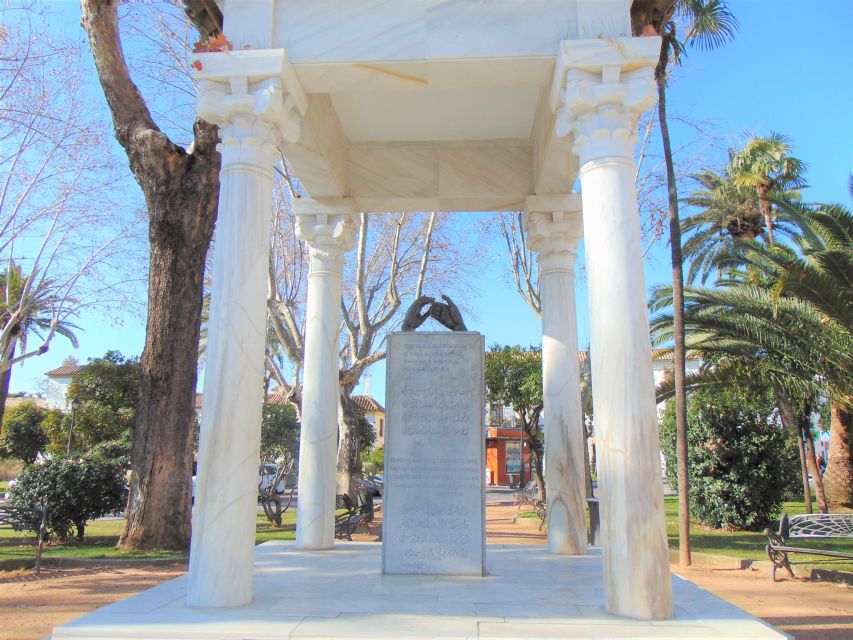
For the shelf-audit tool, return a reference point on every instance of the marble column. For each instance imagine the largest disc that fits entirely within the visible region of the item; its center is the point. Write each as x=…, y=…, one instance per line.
x=329, y=236
x=223, y=531
x=605, y=86
x=554, y=236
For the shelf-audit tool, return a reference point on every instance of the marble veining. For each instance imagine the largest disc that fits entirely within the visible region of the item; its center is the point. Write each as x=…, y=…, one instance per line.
x=375, y=30
x=342, y=594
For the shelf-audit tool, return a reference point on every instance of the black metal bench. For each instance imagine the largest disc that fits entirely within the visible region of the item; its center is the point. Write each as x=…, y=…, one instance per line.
x=810, y=526
x=528, y=494
x=541, y=511
x=352, y=518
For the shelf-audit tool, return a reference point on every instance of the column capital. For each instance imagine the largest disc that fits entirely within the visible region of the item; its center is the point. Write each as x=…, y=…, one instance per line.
x=253, y=96
x=554, y=236
x=600, y=88
x=329, y=234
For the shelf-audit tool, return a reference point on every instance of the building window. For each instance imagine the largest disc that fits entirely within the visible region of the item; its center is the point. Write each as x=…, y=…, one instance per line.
x=381, y=427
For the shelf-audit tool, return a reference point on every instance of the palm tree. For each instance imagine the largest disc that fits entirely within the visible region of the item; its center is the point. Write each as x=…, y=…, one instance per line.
x=25, y=311
x=801, y=328
x=727, y=213
x=766, y=165
x=709, y=24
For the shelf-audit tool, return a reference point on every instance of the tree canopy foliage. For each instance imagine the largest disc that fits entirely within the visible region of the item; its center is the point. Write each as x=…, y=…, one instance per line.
x=23, y=436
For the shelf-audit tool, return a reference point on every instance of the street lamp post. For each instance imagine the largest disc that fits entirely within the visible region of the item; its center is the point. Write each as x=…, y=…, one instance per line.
x=75, y=404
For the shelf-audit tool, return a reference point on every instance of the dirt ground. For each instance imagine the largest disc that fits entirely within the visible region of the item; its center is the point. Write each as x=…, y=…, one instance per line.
x=30, y=608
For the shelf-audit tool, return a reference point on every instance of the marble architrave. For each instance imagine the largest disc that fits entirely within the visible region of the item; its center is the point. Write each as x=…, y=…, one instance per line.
x=248, y=114
x=328, y=235
x=434, y=500
x=600, y=89
x=554, y=237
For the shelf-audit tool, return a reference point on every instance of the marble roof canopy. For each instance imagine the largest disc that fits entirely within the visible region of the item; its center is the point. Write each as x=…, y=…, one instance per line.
x=421, y=105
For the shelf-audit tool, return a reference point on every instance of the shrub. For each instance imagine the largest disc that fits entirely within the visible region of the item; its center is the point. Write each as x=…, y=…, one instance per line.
x=76, y=491
x=115, y=451
x=23, y=437
x=741, y=467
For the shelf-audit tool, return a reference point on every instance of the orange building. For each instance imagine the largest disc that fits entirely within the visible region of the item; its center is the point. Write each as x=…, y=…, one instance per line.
x=502, y=455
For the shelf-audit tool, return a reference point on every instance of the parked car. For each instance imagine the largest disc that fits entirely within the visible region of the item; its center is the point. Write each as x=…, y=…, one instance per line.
x=373, y=484
x=265, y=479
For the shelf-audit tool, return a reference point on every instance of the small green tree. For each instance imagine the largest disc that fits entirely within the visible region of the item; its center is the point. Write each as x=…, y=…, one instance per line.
x=279, y=443
x=23, y=436
x=374, y=459
x=75, y=492
x=107, y=389
x=514, y=378
x=741, y=465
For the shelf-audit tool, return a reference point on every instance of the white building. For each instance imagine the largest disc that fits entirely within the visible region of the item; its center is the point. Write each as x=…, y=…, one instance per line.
x=58, y=381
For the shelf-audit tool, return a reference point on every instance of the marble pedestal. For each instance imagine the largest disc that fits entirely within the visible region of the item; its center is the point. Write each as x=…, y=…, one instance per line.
x=434, y=518
x=342, y=594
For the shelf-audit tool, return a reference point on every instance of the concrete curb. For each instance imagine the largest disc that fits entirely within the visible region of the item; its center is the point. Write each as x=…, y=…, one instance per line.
x=13, y=564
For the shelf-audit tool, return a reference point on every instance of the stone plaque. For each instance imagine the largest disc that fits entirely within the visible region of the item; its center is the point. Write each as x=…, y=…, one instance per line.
x=434, y=500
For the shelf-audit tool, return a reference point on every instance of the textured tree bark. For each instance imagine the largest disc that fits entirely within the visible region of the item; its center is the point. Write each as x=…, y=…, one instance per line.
x=678, y=352
x=791, y=422
x=181, y=192
x=811, y=460
x=838, y=479
x=349, y=451
x=5, y=379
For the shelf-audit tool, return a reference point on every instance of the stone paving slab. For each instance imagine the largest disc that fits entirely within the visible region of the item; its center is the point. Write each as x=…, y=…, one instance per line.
x=528, y=593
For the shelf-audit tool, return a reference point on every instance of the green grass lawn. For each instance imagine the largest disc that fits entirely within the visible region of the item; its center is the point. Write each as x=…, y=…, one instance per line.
x=750, y=544
x=102, y=537
x=4, y=486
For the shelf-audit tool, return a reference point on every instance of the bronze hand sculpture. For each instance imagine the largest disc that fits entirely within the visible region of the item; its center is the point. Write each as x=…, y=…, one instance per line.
x=448, y=314
x=415, y=316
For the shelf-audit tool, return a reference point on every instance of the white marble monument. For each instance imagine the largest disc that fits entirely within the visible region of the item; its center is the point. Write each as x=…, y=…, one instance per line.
x=418, y=105
x=429, y=105
x=434, y=503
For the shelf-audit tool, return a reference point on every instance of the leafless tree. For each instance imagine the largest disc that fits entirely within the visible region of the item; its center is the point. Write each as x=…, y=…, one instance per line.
x=64, y=235
x=395, y=256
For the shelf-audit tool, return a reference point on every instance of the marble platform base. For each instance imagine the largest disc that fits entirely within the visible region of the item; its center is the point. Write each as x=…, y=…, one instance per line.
x=342, y=594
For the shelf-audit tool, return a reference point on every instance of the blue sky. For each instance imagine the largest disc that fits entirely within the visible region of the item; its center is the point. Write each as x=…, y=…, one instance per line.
x=789, y=70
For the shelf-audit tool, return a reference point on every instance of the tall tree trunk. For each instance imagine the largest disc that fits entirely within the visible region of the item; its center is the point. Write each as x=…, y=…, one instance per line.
x=838, y=479
x=679, y=356
x=804, y=472
x=811, y=459
x=349, y=450
x=791, y=422
x=5, y=379
x=766, y=211
x=181, y=192
x=537, y=463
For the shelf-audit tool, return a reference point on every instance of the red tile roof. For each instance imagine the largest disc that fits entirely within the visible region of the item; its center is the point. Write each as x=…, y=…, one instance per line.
x=65, y=370
x=272, y=398
x=367, y=403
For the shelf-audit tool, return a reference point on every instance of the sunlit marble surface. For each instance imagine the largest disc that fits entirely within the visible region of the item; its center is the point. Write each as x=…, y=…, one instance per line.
x=554, y=236
x=528, y=593
x=329, y=236
x=600, y=107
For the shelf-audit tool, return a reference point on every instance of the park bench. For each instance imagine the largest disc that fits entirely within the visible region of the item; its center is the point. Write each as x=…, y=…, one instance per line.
x=353, y=517
x=542, y=512
x=20, y=518
x=528, y=494
x=809, y=526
